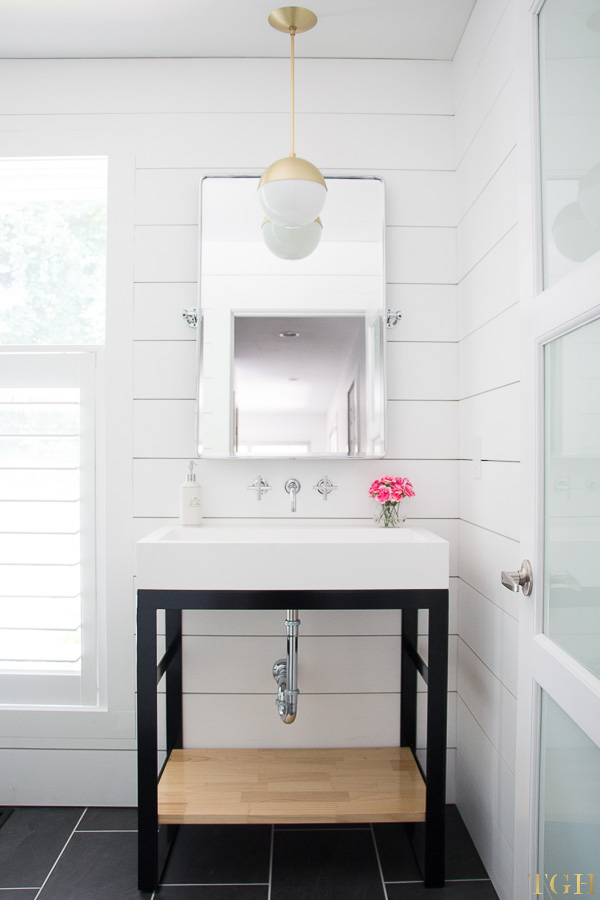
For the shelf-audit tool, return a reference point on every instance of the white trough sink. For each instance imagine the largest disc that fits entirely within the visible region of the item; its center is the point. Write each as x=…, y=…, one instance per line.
x=291, y=557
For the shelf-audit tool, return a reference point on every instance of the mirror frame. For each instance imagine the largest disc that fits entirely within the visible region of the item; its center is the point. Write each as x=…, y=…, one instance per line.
x=200, y=335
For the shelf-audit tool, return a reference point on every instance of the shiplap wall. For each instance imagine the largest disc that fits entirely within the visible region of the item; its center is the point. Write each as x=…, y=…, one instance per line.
x=186, y=118
x=488, y=354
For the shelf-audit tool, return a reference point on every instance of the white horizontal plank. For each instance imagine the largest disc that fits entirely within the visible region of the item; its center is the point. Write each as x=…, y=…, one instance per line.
x=492, y=500
x=166, y=253
x=335, y=665
x=315, y=622
x=421, y=255
x=420, y=198
x=252, y=141
x=490, y=633
x=167, y=196
x=326, y=665
x=422, y=371
x=157, y=483
x=487, y=417
x=490, y=147
x=353, y=720
x=212, y=85
x=490, y=357
x=482, y=556
x=495, y=851
x=480, y=28
x=157, y=311
x=490, y=218
x=488, y=78
x=62, y=778
x=164, y=428
x=490, y=287
x=425, y=429
x=489, y=702
x=164, y=369
x=429, y=312
x=495, y=782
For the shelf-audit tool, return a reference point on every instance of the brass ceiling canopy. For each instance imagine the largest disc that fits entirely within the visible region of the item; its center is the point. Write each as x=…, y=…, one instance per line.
x=294, y=19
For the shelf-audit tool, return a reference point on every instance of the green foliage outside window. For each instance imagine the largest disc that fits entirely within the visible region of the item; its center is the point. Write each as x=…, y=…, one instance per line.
x=52, y=272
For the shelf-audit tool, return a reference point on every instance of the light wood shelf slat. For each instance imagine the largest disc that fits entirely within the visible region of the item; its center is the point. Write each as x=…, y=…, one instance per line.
x=366, y=784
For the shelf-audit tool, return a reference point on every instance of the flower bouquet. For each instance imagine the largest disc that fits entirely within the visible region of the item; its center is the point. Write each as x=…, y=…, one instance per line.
x=389, y=491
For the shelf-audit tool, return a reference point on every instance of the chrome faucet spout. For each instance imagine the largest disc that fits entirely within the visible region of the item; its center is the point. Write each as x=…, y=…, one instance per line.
x=292, y=486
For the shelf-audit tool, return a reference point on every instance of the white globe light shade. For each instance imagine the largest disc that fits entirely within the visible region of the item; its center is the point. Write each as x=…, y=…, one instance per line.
x=292, y=192
x=574, y=235
x=292, y=243
x=589, y=195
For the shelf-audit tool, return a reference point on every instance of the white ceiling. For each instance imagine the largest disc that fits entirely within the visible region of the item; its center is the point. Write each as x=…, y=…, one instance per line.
x=357, y=29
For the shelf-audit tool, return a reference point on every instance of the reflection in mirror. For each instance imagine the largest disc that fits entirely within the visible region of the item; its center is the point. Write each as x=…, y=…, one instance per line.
x=291, y=352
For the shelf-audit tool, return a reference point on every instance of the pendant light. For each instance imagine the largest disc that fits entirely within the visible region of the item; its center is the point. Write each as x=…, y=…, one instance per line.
x=292, y=191
x=292, y=243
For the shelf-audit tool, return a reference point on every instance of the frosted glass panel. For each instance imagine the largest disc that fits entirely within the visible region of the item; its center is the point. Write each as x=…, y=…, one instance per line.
x=569, y=40
x=572, y=494
x=569, y=835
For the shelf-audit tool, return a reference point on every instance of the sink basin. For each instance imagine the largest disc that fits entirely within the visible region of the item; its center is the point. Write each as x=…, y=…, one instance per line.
x=291, y=557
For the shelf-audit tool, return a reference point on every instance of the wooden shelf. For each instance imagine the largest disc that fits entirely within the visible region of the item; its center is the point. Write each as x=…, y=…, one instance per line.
x=372, y=784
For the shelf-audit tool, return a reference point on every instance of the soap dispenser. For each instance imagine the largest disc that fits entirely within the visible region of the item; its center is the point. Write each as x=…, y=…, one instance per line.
x=191, y=499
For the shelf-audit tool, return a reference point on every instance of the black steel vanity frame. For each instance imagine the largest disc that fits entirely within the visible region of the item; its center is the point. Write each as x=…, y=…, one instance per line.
x=154, y=842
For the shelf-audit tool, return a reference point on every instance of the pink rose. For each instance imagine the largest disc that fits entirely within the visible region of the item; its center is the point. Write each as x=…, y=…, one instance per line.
x=384, y=494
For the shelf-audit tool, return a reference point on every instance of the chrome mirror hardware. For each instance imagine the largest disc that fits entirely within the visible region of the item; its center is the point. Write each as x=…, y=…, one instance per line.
x=521, y=579
x=292, y=486
x=191, y=316
x=260, y=485
x=392, y=317
x=324, y=487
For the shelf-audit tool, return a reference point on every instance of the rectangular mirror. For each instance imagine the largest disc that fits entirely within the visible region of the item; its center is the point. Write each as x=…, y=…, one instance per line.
x=291, y=352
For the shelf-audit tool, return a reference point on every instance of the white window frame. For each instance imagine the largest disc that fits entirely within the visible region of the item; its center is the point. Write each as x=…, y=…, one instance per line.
x=109, y=723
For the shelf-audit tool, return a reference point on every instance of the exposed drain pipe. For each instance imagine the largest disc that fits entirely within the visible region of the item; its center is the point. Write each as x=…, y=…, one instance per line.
x=285, y=672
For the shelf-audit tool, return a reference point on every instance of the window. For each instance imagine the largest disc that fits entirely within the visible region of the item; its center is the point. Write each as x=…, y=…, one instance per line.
x=52, y=302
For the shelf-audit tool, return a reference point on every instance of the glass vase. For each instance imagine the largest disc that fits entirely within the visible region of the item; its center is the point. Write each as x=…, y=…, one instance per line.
x=388, y=514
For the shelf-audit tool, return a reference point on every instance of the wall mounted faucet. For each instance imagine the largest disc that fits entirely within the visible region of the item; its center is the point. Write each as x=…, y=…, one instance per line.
x=260, y=485
x=324, y=487
x=292, y=486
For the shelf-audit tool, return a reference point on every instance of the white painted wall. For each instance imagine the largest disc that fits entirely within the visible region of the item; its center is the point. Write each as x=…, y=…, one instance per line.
x=489, y=431
x=179, y=120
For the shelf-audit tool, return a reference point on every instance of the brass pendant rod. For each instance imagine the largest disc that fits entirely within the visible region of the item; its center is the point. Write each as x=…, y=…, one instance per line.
x=292, y=36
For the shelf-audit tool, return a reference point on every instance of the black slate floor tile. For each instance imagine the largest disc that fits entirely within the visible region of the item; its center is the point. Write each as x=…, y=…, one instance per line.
x=31, y=840
x=397, y=856
x=219, y=854
x=109, y=819
x=454, y=890
x=99, y=866
x=214, y=892
x=325, y=865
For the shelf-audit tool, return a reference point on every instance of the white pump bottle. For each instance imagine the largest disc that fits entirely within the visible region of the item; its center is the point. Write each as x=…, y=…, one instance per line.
x=191, y=499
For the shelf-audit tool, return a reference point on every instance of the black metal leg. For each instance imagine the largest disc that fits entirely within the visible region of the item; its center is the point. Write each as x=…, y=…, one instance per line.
x=147, y=749
x=408, y=686
x=174, y=687
x=437, y=702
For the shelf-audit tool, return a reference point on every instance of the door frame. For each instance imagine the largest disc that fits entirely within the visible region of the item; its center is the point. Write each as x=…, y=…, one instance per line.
x=542, y=319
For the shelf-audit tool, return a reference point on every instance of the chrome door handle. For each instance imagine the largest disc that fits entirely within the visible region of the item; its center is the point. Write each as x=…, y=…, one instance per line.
x=521, y=579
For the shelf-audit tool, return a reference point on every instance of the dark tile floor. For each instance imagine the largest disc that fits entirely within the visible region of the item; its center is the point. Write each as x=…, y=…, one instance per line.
x=90, y=854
